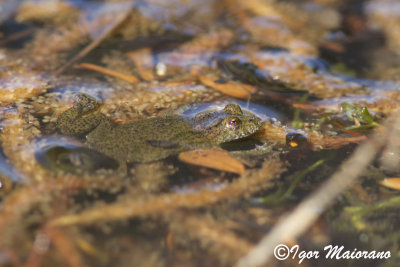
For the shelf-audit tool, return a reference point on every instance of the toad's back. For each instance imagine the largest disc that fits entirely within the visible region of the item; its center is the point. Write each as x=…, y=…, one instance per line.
x=147, y=140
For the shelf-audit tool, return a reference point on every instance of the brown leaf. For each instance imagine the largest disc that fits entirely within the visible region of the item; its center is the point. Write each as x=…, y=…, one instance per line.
x=392, y=183
x=230, y=88
x=211, y=158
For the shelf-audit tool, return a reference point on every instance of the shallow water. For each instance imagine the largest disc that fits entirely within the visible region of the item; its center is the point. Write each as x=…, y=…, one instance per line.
x=63, y=203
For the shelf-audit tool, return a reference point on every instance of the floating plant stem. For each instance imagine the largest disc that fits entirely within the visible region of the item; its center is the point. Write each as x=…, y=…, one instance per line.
x=281, y=195
x=358, y=213
x=297, y=122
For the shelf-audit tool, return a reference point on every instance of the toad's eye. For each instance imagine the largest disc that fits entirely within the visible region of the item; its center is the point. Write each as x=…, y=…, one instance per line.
x=233, y=123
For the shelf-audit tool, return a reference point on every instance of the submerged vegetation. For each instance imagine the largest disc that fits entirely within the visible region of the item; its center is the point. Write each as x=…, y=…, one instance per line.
x=197, y=133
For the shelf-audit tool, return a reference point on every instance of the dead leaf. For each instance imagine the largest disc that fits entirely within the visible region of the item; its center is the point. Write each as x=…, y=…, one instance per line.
x=211, y=158
x=230, y=88
x=392, y=183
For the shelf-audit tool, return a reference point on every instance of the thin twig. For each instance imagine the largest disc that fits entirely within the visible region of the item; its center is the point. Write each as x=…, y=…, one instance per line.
x=128, y=78
x=122, y=18
x=310, y=209
x=16, y=36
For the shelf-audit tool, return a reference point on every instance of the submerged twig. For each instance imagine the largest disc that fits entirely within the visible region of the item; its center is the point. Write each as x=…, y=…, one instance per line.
x=249, y=182
x=212, y=234
x=65, y=247
x=308, y=211
x=24, y=198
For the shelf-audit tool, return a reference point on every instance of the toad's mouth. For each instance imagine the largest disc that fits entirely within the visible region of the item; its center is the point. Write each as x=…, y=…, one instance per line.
x=248, y=133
